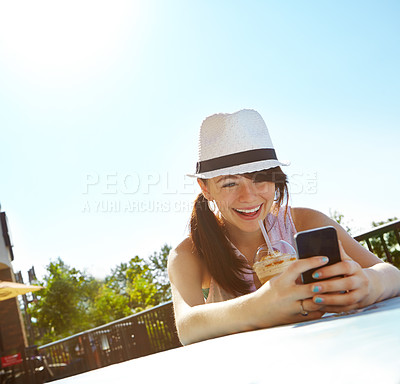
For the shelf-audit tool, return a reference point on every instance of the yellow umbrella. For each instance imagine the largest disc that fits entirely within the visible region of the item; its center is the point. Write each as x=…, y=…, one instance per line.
x=8, y=289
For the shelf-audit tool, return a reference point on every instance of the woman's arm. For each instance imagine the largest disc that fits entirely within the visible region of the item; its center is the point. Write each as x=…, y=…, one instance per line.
x=367, y=278
x=276, y=302
x=196, y=321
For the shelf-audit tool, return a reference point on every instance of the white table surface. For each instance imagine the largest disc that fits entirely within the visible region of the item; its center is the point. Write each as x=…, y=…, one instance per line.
x=362, y=347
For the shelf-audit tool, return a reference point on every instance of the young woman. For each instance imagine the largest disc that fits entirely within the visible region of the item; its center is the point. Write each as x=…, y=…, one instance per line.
x=213, y=287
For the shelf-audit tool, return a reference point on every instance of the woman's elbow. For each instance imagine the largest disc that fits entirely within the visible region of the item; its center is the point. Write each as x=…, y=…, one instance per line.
x=183, y=333
x=188, y=331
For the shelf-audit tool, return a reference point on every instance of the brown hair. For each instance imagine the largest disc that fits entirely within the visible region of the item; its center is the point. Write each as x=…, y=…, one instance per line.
x=209, y=236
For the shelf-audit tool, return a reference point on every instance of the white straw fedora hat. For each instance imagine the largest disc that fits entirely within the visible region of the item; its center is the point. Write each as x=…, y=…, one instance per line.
x=236, y=143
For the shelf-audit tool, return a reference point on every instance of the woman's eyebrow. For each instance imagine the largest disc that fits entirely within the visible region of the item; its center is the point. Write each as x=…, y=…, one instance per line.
x=223, y=178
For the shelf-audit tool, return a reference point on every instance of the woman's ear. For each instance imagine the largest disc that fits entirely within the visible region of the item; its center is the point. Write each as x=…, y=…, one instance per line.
x=204, y=189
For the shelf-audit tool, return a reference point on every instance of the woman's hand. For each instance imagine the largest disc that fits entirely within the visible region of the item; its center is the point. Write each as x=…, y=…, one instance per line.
x=282, y=300
x=351, y=289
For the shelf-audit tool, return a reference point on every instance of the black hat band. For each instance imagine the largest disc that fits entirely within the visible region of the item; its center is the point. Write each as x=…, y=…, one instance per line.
x=236, y=159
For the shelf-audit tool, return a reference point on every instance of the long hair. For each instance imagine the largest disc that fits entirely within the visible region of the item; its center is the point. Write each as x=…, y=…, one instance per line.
x=209, y=236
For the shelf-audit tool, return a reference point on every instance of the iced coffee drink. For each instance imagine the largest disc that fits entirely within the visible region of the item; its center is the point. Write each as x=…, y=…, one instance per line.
x=268, y=264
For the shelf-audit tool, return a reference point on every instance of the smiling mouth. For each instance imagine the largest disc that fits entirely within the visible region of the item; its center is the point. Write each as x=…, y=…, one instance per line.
x=248, y=212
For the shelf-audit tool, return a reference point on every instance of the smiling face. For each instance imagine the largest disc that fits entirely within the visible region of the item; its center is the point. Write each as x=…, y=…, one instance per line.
x=241, y=201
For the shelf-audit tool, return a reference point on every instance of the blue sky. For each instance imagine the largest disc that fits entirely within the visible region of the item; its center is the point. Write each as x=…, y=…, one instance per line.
x=101, y=102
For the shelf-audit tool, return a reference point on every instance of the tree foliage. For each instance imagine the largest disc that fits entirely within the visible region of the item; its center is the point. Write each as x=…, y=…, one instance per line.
x=60, y=308
x=376, y=242
x=74, y=301
x=391, y=243
x=108, y=306
x=158, y=267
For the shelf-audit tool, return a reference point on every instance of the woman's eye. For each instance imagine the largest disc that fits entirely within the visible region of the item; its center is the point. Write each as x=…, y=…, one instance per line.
x=229, y=185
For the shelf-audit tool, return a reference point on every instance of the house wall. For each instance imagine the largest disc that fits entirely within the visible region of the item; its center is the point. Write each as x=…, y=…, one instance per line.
x=12, y=329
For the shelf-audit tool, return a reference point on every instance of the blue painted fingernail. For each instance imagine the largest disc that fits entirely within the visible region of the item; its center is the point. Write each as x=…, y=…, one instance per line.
x=316, y=275
x=316, y=288
x=325, y=259
x=319, y=300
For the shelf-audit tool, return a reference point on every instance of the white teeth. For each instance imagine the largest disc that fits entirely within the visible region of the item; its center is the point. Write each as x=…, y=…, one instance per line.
x=248, y=210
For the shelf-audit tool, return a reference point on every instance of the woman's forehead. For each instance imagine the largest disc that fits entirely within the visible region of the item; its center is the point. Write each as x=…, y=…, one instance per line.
x=224, y=177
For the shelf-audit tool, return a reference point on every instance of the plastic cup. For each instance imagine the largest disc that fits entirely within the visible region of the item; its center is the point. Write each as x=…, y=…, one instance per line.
x=267, y=265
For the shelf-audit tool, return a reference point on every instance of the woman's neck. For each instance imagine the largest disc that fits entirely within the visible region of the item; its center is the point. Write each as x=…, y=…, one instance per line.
x=246, y=242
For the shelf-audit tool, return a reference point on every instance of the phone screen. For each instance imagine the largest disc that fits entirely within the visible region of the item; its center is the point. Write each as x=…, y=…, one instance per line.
x=317, y=242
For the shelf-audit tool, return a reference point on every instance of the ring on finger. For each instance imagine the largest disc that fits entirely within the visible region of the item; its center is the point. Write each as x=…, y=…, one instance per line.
x=303, y=311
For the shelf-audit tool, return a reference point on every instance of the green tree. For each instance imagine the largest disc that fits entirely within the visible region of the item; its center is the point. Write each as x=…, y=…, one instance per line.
x=145, y=283
x=375, y=242
x=158, y=267
x=61, y=308
x=117, y=280
x=108, y=305
x=135, y=281
x=376, y=224
x=390, y=240
x=73, y=301
x=141, y=289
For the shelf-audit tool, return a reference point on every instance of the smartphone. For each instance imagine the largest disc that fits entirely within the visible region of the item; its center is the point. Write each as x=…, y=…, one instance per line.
x=317, y=242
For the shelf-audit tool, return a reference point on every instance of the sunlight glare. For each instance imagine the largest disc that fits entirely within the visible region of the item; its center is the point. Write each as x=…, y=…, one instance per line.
x=64, y=41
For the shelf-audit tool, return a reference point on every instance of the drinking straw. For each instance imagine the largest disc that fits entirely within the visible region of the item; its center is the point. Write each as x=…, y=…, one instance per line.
x=265, y=234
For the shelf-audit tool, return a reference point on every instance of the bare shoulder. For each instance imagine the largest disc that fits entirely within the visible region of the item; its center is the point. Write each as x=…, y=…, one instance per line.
x=183, y=257
x=186, y=246
x=186, y=274
x=181, y=252
x=307, y=218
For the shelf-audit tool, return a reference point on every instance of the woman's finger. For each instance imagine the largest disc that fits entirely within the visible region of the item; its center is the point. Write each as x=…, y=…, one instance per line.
x=339, y=299
x=336, y=285
x=342, y=268
x=310, y=306
x=300, y=266
x=346, y=267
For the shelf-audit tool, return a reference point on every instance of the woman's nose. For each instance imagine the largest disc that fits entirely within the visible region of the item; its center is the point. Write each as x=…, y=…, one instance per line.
x=247, y=191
